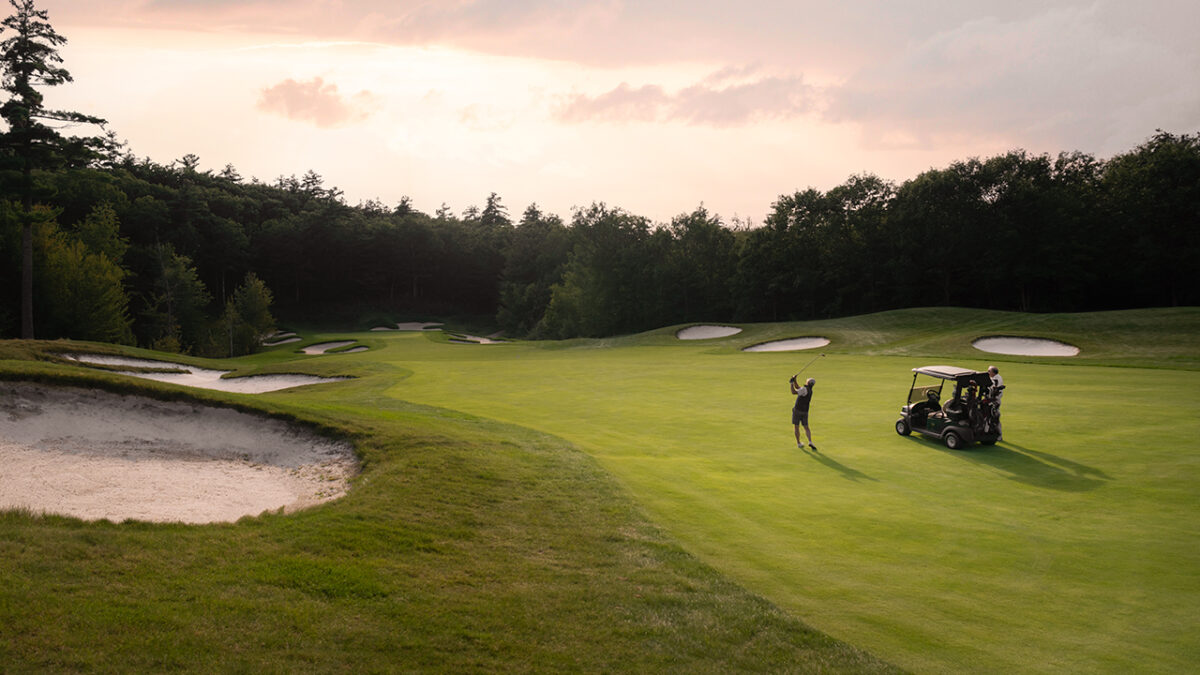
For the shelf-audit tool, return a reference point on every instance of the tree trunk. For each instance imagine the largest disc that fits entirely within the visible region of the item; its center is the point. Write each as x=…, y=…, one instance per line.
x=27, y=279
x=27, y=251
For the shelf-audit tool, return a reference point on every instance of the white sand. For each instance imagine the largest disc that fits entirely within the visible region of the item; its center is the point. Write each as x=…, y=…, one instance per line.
x=707, y=332
x=1025, y=346
x=325, y=346
x=414, y=325
x=792, y=345
x=205, y=378
x=475, y=340
x=93, y=454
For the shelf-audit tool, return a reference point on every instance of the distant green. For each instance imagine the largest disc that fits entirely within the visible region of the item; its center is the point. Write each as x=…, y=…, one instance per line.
x=700, y=538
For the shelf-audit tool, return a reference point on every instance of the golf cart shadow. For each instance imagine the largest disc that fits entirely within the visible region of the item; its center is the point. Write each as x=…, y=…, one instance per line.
x=1032, y=467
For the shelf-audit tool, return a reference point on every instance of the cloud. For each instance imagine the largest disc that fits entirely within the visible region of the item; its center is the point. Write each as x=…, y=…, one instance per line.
x=1069, y=78
x=316, y=102
x=724, y=99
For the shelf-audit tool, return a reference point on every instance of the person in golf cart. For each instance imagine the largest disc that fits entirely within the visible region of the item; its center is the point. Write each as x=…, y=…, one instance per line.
x=968, y=414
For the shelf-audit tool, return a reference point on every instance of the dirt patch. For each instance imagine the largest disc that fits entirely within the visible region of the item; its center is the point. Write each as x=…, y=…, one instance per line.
x=94, y=455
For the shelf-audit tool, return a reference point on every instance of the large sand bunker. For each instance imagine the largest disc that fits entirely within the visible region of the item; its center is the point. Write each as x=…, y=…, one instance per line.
x=94, y=454
x=204, y=378
x=791, y=345
x=707, y=332
x=1022, y=346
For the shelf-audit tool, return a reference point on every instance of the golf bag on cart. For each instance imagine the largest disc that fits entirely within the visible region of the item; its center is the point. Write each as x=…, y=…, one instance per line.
x=989, y=406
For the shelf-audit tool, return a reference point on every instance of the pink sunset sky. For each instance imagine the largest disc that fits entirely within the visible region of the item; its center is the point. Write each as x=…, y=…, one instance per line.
x=653, y=106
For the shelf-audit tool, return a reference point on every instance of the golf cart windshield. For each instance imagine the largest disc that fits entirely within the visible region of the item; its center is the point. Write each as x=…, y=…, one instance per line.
x=923, y=386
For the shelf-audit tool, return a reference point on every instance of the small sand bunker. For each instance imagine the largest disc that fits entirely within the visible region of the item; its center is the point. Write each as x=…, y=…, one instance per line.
x=326, y=346
x=94, y=454
x=1024, y=346
x=412, y=325
x=280, y=338
x=707, y=332
x=204, y=378
x=474, y=340
x=790, y=345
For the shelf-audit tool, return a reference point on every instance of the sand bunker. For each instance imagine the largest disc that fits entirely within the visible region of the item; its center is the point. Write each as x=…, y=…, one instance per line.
x=1022, y=346
x=474, y=340
x=791, y=345
x=707, y=332
x=204, y=378
x=325, y=346
x=93, y=454
x=413, y=325
x=280, y=338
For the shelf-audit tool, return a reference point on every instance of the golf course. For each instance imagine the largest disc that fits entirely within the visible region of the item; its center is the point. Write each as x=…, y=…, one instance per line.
x=638, y=504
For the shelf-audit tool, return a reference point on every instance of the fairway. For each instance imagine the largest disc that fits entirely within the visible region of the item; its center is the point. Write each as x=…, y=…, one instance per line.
x=1072, y=545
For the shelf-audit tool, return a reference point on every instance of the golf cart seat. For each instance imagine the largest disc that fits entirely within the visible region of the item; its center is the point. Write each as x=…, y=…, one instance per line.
x=921, y=411
x=954, y=408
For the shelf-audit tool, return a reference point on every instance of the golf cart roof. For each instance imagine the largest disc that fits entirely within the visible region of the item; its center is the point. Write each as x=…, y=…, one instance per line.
x=945, y=372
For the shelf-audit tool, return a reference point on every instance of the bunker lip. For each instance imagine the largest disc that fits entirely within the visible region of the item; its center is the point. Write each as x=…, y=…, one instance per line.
x=203, y=378
x=789, y=345
x=706, y=332
x=1024, y=346
x=96, y=455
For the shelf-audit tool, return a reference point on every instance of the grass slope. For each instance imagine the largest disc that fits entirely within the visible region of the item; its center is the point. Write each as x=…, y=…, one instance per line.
x=1071, y=545
x=466, y=545
x=479, y=538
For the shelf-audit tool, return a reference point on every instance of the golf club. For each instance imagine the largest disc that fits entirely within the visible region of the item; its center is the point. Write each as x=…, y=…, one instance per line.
x=806, y=366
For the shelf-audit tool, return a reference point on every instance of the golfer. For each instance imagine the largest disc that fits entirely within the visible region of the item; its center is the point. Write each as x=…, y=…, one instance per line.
x=800, y=410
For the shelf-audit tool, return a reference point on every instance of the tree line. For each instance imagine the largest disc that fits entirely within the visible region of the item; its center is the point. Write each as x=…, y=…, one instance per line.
x=111, y=247
x=136, y=251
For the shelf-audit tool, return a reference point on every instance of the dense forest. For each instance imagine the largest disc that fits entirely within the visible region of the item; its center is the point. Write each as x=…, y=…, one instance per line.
x=130, y=250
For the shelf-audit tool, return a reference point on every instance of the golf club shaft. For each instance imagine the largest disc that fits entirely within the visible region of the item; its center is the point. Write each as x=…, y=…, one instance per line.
x=807, y=365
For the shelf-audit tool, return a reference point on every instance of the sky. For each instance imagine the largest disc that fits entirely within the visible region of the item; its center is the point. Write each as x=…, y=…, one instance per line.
x=656, y=107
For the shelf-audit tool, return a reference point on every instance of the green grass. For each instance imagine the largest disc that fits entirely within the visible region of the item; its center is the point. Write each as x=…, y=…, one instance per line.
x=689, y=534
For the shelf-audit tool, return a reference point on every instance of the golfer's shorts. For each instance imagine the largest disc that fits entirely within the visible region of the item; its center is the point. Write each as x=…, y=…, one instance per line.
x=800, y=417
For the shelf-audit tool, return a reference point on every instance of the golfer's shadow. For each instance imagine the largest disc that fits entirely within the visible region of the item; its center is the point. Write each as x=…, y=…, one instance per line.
x=1033, y=467
x=847, y=472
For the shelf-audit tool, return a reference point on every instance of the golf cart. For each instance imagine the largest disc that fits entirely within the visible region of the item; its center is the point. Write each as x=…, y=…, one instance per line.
x=967, y=413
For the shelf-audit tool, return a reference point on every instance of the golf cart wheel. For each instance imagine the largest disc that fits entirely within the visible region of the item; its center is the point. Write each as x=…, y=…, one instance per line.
x=953, y=441
x=902, y=428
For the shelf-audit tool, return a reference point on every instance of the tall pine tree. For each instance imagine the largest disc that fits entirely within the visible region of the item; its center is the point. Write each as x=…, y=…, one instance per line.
x=29, y=60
